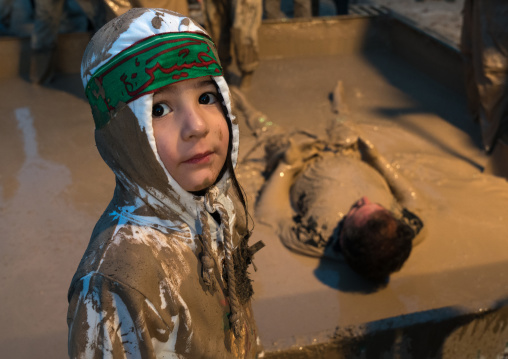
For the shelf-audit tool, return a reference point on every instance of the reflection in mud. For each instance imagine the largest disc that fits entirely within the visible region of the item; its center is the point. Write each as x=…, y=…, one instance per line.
x=38, y=227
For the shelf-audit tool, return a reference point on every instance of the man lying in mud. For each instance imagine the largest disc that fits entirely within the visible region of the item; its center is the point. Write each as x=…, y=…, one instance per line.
x=341, y=199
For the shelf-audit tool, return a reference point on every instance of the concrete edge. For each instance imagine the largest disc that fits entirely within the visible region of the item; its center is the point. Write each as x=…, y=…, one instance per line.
x=342, y=341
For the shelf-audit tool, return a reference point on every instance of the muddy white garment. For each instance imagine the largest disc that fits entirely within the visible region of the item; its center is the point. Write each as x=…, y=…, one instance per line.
x=139, y=291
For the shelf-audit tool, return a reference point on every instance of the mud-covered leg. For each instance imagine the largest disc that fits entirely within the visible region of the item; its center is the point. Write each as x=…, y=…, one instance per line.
x=48, y=14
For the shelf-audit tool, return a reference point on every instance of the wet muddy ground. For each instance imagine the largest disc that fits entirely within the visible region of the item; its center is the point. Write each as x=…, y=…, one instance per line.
x=54, y=186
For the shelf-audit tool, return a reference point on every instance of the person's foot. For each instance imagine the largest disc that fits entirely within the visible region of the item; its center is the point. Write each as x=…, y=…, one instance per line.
x=42, y=66
x=497, y=163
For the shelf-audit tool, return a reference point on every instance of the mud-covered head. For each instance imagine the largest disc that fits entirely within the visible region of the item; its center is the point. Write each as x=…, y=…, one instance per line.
x=374, y=241
x=155, y=53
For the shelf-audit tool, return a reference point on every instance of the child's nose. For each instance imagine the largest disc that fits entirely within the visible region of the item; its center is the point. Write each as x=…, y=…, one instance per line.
x=195, y=124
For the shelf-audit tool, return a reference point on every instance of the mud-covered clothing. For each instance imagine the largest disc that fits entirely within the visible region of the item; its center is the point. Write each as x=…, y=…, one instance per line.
x=321, y=196
x=314, y=199
x=152, y=282
x=16, y=18
x=484, y=45
x=47, y=24
x=235, y=22
x=139, y=290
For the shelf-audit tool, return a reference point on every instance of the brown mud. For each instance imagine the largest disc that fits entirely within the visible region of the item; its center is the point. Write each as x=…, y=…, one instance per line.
x=423, y=129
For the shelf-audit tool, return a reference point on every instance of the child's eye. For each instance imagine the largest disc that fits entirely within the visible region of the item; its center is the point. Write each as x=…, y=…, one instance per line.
x=207, y=98
x=160, y=109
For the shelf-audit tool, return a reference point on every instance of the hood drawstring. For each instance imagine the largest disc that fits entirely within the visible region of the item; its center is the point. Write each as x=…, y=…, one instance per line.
x=207, y=258
x=211, y=205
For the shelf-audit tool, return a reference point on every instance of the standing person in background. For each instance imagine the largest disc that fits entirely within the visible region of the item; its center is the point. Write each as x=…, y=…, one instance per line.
x=301, y=8
x=47, y=19
x=235, y=22
x=484, y=46
x=342, y=7
x=16, y=17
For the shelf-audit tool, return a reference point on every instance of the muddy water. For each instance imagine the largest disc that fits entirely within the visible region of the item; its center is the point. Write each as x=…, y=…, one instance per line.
x=52, y=190
x=423, y=129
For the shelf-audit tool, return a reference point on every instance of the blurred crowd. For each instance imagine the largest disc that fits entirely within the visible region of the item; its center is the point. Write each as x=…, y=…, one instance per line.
x=17, y=16
x=232, y=24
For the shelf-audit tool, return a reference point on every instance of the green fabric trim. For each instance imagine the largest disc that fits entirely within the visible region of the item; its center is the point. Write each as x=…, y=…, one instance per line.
x=148, y=65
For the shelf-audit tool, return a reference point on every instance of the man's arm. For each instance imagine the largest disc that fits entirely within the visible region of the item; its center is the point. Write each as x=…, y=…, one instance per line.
x=406, y=195
x=274, y=204
x=274, y=208
x=403, y=191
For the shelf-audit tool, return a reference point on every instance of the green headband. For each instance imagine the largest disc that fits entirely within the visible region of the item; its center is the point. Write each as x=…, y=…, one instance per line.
x=148, y=65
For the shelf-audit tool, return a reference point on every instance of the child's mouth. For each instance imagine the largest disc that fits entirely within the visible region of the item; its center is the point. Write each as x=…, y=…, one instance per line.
x=199, y=158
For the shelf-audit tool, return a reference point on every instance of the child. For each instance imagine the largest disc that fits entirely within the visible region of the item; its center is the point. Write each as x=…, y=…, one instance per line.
x=165, y=272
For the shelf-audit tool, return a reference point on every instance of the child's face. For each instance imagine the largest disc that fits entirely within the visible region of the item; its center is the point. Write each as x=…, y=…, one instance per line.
x=191, y=132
